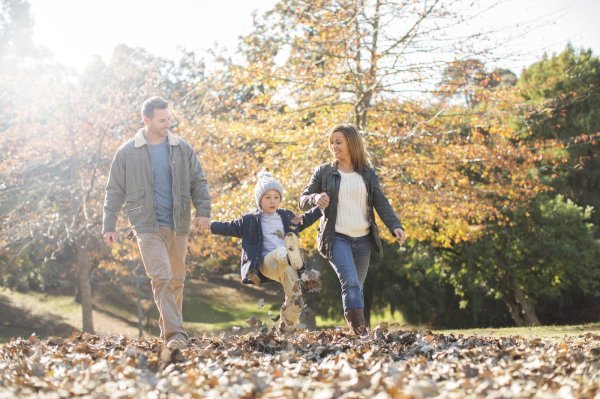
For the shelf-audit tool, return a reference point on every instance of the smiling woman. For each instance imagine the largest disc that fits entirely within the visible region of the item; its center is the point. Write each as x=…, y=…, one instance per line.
x=75, y=31
x=347, y=190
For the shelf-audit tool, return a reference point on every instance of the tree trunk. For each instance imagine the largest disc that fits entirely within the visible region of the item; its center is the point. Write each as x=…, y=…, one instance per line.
x=520, y=307
x=85, y=286
x=361, y=111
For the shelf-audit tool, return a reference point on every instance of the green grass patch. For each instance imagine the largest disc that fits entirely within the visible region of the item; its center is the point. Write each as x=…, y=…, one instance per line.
x=212, y=316
x=394, y=319
x=553, y=333
x=26, y=313
x=208, y=308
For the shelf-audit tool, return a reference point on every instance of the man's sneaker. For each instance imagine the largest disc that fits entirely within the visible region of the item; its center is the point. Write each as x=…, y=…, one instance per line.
x=177, y=344
x=292, y=245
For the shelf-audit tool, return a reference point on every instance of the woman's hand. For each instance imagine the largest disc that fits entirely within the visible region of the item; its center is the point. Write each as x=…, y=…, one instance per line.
x=322, y=200
x=400, y=235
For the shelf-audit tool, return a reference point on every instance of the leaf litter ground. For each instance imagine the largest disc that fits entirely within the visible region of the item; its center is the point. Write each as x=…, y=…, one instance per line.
x=320, y=364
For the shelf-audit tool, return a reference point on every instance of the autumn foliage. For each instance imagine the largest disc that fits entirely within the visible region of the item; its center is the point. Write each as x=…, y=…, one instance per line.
x=472, y=163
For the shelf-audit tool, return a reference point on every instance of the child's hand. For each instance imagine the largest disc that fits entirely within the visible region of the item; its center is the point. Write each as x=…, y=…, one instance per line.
x=297, y=220
x=322, y=200
x=202, y=223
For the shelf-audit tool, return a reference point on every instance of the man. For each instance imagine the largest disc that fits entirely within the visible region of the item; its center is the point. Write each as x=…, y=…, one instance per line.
x=157, y=175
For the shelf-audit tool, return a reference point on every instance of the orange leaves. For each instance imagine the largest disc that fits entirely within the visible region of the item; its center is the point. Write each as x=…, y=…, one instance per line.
x=454, y=170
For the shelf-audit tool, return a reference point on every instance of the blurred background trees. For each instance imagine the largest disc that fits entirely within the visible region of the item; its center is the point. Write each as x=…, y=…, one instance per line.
x=495, y=175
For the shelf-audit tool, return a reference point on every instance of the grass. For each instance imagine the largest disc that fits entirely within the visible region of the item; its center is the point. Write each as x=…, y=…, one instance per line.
x=552, y=333
x=210, y=307
x=393, y=319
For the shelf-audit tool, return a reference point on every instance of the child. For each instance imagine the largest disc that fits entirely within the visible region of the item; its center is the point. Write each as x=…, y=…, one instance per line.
x=270, y=246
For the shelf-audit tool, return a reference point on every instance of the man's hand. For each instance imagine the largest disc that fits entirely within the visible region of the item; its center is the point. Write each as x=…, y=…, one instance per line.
x=110, y=237
x=202, y=223
x=400, y=235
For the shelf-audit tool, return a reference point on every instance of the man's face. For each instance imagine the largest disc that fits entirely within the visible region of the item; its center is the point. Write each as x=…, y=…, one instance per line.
x=159, y=122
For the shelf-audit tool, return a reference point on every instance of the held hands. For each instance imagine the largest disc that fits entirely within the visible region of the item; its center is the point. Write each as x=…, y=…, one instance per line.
x=322, y=200
x=400, y=235
x=202, y=223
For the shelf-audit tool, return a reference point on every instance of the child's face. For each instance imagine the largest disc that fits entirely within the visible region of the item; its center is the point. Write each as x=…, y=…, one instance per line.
x=270, y=200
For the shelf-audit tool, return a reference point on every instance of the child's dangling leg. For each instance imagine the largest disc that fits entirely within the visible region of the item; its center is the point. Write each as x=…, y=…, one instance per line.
x=276, y=267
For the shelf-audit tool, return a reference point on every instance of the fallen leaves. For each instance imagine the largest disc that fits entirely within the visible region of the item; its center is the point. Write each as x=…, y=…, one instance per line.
x=311, y=279
x=322, y=364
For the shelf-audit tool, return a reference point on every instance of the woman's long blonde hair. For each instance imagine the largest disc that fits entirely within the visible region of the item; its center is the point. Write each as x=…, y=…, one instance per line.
x=358, y=154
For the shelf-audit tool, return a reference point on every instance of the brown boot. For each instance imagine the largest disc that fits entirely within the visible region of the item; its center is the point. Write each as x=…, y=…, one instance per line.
x=356, y=321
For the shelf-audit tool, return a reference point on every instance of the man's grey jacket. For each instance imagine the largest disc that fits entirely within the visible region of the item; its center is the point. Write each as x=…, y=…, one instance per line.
x=131, y=182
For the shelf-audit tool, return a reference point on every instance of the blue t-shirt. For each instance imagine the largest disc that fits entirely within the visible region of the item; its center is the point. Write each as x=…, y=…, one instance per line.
x=163, y=183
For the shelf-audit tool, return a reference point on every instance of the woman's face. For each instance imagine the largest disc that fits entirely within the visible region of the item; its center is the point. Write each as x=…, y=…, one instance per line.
x=339, y=146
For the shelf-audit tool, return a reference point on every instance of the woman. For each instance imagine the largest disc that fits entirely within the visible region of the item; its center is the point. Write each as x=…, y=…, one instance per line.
x=347, y=189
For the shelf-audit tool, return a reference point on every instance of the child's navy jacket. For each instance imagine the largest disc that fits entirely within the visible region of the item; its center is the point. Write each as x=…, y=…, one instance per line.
x=248, y=228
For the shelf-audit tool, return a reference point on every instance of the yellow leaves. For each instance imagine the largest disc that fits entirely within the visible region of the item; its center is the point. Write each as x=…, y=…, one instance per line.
x=556, y=280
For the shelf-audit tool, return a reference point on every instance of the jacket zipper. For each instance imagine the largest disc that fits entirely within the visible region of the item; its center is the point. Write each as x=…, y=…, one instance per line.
x=154, y=221
x=171, y=163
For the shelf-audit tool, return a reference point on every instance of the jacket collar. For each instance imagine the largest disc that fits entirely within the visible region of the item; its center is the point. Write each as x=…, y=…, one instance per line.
x=140, y=140
x=334, y=169
x=256, y=212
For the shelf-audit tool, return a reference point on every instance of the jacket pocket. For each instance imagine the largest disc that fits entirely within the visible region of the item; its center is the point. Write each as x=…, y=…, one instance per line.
x=185, y=212
x=136, y=206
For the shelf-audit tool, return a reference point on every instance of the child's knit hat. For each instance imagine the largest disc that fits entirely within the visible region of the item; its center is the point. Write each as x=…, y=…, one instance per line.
x=265, y=183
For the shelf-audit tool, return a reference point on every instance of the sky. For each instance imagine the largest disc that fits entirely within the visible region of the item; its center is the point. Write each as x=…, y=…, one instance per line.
x=77, y=30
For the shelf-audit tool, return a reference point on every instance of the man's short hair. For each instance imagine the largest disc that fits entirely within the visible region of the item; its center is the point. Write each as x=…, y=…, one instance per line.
x=151, y=104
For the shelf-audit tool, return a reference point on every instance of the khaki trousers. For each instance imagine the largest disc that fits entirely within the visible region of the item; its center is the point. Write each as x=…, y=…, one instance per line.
x=275, y=266
x=163, y=254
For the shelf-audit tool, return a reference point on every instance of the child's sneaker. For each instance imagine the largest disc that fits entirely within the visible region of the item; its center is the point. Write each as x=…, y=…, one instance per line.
x=292, y=245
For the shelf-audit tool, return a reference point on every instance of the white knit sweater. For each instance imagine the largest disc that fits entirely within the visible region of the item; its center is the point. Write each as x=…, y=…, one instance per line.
x=352, y=215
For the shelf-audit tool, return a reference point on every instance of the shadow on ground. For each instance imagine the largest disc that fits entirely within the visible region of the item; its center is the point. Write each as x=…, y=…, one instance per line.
x=17, y=322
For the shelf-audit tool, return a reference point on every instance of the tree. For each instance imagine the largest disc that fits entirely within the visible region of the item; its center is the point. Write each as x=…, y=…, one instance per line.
x=59, y=146
x=448, y=169
x=420, y=286
x=543, y=252
x=470, y=77
x=562, y=97
x=325, y=53
x=16, y=26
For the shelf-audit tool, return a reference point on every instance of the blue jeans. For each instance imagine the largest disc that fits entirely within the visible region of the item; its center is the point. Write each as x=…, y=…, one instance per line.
x=350, y=261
